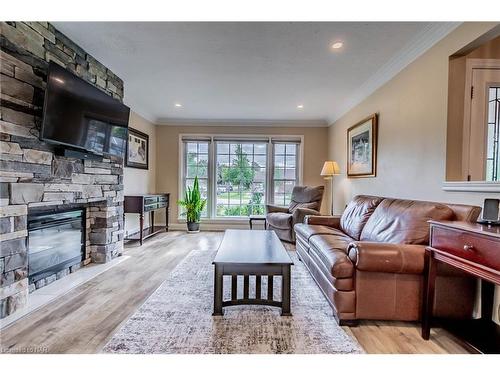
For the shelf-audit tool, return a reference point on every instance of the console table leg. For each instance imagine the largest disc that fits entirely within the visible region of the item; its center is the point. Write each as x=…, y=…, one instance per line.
x=166, y=218
x=141, y=228
x=218, y=291
x=429, y=290
x=285, y=291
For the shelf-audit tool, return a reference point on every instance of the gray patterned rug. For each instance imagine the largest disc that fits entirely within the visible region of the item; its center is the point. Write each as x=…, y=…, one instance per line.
x=177, y=318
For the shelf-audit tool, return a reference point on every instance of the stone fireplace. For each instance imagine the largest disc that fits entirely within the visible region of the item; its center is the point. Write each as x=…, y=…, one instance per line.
x=33, y=177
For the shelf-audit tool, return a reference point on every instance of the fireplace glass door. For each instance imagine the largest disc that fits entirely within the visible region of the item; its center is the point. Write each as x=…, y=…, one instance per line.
x=55, y=242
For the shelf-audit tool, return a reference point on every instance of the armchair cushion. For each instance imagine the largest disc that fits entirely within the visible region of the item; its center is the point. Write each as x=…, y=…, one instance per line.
x=300, y=213
x=280, y=220
x=271, y=208
x=387, y=257
x=306, y=197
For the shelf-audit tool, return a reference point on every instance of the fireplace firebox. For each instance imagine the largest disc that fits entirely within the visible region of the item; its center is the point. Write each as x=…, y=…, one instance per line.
x=56, y=241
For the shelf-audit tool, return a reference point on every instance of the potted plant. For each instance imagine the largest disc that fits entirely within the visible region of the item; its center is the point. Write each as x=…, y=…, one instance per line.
x=194, y=204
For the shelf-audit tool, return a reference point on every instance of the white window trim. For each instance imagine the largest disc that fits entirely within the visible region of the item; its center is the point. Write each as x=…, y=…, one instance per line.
x=298, y=166
x=212, y=172
x=472, y=186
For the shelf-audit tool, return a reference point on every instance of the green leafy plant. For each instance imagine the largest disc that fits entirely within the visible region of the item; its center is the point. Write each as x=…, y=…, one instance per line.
x=193, y=203
x=241, y=172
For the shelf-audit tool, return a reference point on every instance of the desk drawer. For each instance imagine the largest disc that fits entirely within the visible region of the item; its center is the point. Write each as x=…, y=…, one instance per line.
x=150, y=207
x=470, y=246
x=150, y=200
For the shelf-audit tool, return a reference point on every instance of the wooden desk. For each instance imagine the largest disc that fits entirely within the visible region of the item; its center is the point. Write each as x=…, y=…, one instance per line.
x=146, y=203
x=475, y=249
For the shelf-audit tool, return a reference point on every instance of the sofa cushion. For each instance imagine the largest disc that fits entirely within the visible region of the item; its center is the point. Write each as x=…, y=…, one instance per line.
x=332, y=251
x=357, y=213
x=306, y=231
x=403, y=221
x=279, y=220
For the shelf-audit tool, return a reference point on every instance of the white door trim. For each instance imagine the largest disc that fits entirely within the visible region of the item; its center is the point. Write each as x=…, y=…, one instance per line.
x=470, y=65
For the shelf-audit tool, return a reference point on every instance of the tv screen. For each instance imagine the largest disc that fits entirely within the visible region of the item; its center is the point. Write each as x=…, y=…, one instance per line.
x=79, y=115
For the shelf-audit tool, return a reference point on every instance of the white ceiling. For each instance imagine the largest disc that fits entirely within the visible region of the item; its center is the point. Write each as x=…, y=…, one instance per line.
x=253, y=72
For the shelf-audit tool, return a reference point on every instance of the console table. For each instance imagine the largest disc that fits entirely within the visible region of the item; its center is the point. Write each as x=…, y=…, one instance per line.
x=146, y=203
x=474, y=249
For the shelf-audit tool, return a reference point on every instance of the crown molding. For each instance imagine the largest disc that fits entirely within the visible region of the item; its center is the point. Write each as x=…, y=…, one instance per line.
x=243, y=123
x=139, y=111
x=417, y=46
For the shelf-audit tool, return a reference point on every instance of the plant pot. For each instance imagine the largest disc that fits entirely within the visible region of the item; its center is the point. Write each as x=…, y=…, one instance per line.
x=193, y=227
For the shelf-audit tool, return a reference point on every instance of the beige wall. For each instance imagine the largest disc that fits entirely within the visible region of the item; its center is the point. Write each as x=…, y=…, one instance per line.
x=138, y=181
x=167, y=152
x=412, y=111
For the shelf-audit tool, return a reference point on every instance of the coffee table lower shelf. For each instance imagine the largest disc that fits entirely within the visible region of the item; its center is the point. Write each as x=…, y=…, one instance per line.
x=257, y=270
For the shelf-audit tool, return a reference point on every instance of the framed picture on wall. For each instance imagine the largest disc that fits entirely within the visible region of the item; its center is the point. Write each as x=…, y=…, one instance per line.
x=362, y=148
x=137, y=150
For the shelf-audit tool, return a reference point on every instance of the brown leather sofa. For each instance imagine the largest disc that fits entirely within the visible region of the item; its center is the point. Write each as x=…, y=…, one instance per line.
x=305, y=200
x=369, y=263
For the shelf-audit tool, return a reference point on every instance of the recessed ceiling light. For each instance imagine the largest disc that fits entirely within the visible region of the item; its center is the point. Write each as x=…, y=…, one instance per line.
x=300, y=106
x=178, y=105
x=338, y=44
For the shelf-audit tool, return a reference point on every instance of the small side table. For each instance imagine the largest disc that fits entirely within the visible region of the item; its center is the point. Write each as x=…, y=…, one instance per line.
x=253, y=218
x=474, y=249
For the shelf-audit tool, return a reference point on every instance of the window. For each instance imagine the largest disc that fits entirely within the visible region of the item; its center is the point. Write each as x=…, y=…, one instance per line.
x=493, y=147
x=285, y=175
x=241, y=178
x=196, y=164
x=239, y=175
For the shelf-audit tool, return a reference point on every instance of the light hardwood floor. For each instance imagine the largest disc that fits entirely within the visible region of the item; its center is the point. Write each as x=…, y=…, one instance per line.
x=83, y=320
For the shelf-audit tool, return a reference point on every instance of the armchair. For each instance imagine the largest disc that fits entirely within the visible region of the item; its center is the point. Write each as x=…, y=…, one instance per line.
x=305, y=201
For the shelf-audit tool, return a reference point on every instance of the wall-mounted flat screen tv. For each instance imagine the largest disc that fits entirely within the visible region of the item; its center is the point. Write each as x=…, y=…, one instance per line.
x=80, y=116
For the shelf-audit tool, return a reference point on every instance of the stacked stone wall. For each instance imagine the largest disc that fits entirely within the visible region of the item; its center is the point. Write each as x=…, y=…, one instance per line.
x=32, y=175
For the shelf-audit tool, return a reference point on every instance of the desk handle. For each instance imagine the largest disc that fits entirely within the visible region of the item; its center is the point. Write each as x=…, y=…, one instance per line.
x=468, y=247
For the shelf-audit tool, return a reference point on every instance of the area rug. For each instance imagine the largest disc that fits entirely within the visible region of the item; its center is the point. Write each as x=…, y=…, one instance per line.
x=177, y=318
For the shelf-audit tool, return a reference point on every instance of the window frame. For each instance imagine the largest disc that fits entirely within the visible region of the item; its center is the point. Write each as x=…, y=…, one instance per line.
x=183, y=171
x=270, y=139
x=298, y=166
x=252, y=141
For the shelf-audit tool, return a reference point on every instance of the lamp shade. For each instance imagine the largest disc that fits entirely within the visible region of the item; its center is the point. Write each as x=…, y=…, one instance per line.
x=330, y=168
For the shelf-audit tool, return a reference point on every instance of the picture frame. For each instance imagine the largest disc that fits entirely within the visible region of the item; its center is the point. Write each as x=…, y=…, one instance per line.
x=362, y=148
x=137, y=155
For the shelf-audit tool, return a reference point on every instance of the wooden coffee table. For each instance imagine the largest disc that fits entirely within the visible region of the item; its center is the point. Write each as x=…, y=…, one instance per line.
x=252, y=253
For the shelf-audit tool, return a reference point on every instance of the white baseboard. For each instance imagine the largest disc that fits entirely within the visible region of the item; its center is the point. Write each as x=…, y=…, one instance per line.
x=216, y=227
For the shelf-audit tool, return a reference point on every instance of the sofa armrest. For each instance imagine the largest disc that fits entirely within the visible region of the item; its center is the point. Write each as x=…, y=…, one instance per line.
x=300, y=213
x=270, y=208
x=329, y=221
x=387, y=257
